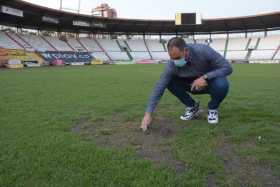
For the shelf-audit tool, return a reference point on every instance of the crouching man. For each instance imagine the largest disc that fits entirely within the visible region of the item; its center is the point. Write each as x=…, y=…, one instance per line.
x=192, y=69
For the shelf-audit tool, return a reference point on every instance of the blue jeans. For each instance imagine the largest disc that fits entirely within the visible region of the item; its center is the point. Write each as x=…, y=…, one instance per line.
x=217, y=89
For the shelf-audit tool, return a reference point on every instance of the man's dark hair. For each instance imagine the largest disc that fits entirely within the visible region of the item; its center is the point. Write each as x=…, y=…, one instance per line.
x=176, y=42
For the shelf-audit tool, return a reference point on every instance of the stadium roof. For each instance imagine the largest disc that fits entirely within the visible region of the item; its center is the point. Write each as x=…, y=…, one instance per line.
x=42, y=18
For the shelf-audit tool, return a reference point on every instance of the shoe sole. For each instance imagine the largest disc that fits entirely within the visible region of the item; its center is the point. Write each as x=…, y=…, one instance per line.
x=213, y=123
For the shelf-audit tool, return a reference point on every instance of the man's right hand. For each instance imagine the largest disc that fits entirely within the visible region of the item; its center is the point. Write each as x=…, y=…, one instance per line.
x=146, y=121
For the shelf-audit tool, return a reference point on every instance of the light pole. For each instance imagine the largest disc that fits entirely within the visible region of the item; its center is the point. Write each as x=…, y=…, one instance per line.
x=60, y=5
x=79, y=6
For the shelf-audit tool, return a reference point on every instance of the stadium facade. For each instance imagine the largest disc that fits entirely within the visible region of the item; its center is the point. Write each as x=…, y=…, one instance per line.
x=33, y=35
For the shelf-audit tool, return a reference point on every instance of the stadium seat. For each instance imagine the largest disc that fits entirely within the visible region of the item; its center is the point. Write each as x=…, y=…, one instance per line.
x=122, y=43
x=109, y=45
x=236, y=55
x=155, y=45
x=117, y=56
x=6, y=42
x=262, y=54
x=277, y=56
x=58, y=44
x=137, y=45
x=237, y=44
x=100, y=56
x=266, y=49
x=140, y=55
x=269, y=42
x=37, y=43
x=76, y=45
x=189, y=40
x=253, y=43
x=90, y=44
x=160, y=55
x=21, y=41
x=201, y=41
x=218, y=44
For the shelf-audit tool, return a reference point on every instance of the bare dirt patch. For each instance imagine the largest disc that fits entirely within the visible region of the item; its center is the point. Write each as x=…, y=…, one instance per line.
x=210, y=180
x=245, y=171
x=154, y=146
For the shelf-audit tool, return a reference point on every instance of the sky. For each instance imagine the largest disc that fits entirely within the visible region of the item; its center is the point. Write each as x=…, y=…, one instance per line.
x=166, y=9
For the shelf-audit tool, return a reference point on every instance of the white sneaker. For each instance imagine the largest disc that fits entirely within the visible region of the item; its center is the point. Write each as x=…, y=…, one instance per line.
x=213, y=116
x=190, y=112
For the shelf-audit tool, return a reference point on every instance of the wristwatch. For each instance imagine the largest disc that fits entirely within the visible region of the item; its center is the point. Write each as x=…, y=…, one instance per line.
x=205, y=77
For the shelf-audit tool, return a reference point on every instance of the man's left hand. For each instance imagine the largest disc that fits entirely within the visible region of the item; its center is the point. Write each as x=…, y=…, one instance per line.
x=199, y=84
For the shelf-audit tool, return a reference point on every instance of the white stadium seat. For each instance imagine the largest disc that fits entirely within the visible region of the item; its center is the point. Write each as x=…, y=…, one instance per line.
x=253, y=43
x=237, y=48
x=38, y=43
x=140, y=55
x=109, y=45
x=58, y=44
x=122, y=43
x=155, y=45
x=201, y=41
x=218, y=44
x=277, y=56
x=269, y=42
x=118, y=56
x=266, y=49
x=236, y=55
x=237, y=44
x=100, y=56
x=76, y=45
x=90, y=44
x=189, y=40
x=21, y=41
x=262, y=54
x=137, y=45
x=6, y=42
x=160, y=55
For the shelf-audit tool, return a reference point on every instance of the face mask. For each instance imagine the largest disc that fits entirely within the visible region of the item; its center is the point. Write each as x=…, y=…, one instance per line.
x=180, y=63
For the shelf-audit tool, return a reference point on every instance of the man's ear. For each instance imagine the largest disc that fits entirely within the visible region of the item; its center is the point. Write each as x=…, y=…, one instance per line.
x=186, y=51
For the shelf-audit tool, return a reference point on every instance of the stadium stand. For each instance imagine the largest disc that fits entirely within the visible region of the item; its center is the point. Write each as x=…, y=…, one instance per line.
x=234, y=49
x=127, y=48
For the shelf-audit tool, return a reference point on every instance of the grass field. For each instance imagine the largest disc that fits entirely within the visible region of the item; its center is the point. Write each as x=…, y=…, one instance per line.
x=69, y=126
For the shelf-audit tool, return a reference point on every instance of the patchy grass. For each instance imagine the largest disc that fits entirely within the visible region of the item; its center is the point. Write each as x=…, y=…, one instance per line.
x=78, y=126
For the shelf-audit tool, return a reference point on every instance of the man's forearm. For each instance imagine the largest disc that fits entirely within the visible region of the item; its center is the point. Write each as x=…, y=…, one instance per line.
x=222, y=72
